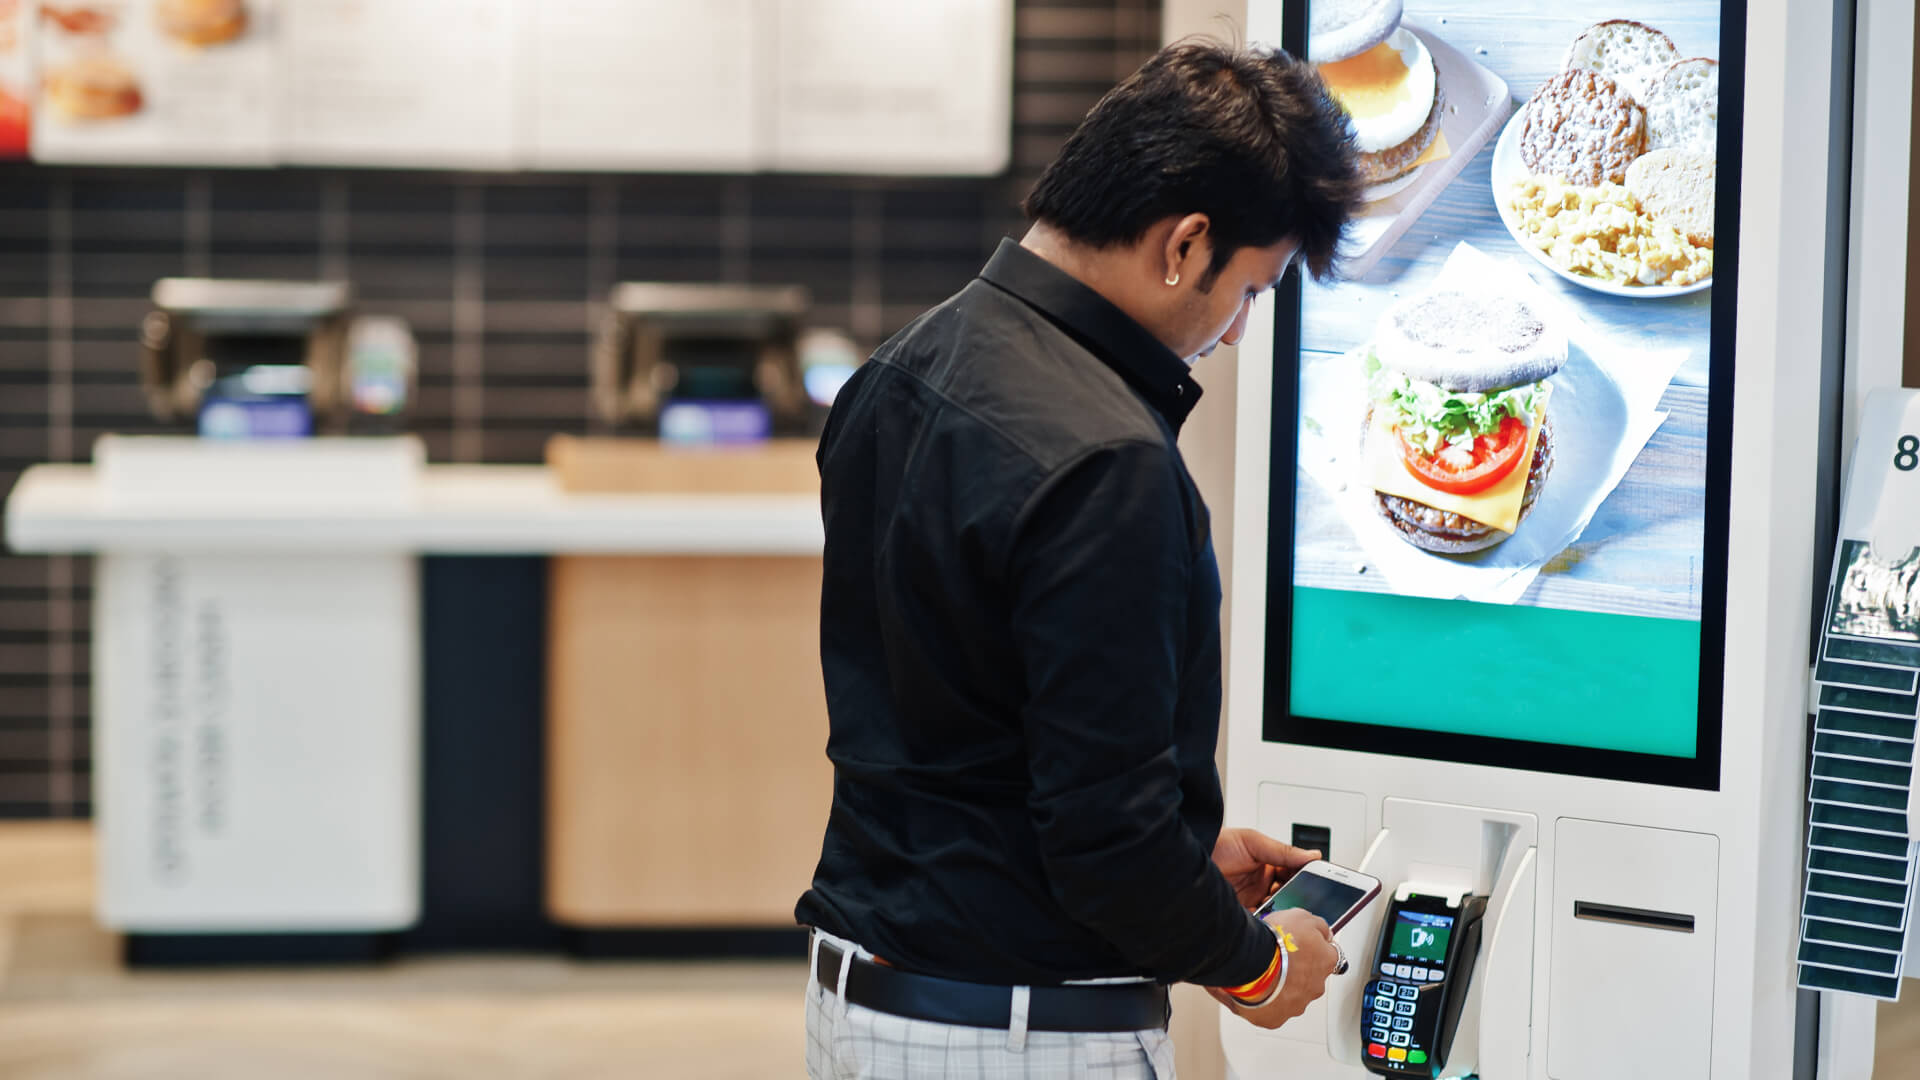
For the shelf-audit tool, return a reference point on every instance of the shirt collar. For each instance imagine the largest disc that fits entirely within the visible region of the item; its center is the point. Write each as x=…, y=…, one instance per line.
x=1151, y=368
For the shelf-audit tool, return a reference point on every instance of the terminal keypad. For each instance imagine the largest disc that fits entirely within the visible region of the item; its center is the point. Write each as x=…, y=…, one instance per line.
x=1391, y=1004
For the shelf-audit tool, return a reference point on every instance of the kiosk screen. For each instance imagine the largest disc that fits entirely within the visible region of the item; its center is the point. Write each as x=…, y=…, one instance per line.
x=1499, y=482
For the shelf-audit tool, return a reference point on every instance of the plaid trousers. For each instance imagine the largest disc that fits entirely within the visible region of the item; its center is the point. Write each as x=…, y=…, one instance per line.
x=853, y=1042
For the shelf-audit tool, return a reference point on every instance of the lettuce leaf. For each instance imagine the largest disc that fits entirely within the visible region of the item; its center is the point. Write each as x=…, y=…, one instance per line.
x=1431, y=418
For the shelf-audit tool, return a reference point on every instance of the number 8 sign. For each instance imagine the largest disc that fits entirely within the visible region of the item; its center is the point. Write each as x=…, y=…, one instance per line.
x=1883, y=495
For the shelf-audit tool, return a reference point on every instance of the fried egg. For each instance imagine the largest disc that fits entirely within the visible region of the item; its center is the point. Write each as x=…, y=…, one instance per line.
x=1387, y=91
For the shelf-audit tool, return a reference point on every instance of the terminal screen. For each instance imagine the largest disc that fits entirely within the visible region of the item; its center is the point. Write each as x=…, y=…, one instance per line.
x=1497, y=502
x=1421, y=938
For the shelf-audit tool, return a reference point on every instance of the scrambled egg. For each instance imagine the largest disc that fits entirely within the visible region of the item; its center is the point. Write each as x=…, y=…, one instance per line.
x=1601, y=232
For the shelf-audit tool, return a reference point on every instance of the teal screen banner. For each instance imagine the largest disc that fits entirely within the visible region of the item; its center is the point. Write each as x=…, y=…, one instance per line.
x=1573, y=678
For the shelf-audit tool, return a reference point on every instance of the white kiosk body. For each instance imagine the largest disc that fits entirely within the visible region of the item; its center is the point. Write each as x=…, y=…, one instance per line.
x=257, y=711
x=1643, y=874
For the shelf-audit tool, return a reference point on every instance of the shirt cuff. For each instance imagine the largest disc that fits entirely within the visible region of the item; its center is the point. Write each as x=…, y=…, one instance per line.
x=1250, y=958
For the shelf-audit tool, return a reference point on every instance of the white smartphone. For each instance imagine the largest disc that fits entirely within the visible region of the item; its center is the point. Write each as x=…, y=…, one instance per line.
x=1334, y=893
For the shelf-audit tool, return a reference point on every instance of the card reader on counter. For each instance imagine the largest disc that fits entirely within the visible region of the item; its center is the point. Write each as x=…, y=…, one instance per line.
x=1429, y=941
x=273, y=359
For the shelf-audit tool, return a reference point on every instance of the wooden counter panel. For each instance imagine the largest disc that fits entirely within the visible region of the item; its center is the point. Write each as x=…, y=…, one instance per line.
x=688, y=783
x=629, y=466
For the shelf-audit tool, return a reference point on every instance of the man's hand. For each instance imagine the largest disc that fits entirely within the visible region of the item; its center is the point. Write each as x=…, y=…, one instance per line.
x=1252, y=862
x=1307, y=970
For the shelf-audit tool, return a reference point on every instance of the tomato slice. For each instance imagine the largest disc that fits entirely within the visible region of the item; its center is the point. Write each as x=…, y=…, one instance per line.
x=1493, y=457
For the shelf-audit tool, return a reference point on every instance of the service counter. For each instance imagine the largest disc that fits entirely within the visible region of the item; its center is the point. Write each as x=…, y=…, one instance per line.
x=339, y=691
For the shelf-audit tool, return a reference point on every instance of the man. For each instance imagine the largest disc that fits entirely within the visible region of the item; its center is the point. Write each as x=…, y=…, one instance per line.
x=1020, y=613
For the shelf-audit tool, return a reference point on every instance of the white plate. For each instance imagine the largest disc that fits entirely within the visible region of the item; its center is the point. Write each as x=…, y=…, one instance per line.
x=1508, y=169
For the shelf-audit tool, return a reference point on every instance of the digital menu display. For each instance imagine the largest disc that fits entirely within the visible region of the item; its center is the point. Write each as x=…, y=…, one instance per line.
x=1499, y=482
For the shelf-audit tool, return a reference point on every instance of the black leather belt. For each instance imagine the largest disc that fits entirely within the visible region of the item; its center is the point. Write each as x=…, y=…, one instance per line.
x=1110, y=1007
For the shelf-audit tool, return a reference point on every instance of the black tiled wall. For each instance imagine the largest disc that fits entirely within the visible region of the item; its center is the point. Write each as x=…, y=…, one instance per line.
x=498, y=274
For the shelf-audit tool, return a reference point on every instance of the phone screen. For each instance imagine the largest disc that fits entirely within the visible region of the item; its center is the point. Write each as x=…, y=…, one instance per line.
x=1325, y=897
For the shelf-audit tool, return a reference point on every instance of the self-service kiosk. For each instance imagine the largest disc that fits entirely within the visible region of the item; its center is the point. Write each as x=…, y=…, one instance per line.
x=1530, y=642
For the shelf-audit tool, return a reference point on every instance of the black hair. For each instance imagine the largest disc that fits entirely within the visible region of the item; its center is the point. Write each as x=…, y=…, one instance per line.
x=1247, y=136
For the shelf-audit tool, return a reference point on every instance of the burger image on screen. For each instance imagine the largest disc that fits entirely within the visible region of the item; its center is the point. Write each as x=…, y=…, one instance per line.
x=1457, y=439
x=202, y=22
x=93, y=86
x=1383, y=75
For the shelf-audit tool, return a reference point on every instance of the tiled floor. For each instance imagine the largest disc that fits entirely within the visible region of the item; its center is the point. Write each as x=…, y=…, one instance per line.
x=68, y=1011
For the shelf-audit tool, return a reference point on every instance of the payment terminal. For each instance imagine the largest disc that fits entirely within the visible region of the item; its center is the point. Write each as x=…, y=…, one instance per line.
x=1428, y=943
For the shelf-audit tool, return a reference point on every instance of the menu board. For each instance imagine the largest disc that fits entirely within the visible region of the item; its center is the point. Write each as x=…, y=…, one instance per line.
x=847, y=86
x=877, y=86
x=641, y=84
x=1496, y=464
x=420, y=83
x=162, y=81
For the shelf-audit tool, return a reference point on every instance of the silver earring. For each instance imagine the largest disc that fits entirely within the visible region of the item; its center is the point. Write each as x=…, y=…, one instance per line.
x=1174, y=279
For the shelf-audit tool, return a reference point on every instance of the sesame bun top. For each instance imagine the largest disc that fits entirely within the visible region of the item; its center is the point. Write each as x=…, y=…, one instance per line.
x=1469, y=341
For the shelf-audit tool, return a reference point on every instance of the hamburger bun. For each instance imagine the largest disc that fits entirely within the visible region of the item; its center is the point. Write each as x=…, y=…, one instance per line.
x=1445, y=533
x=1676, y=187
x=96, y=86
x=202, y=22
x=1467, y=341
x=1391, y=94
x=1339, y=29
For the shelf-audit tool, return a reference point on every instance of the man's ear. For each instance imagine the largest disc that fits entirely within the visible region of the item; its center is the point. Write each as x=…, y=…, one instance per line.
x=1188, y=250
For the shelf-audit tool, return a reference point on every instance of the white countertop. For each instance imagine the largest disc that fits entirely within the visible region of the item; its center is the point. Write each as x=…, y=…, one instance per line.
x=457, y=510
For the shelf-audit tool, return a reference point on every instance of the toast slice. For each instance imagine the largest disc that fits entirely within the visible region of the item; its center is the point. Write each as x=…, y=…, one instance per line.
x=1683, y=107
x=1676, y=187
x=1630, y=53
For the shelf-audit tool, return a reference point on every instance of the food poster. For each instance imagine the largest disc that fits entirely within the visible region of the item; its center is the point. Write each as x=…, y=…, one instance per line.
x=16, y=77
x=1502, y=442
x=430, y=83
x=154, y=81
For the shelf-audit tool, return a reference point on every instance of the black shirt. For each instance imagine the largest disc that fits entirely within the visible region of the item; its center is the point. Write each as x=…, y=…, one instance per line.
x=1021, y=642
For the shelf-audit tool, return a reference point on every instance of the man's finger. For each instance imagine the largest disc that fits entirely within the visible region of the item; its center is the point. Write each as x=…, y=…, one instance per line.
x=1274, y=853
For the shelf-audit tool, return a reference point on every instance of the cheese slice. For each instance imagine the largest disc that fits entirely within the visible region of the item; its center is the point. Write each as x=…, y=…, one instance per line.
x=1497, y=506
x=1438, y=151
